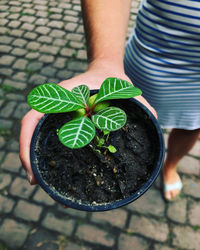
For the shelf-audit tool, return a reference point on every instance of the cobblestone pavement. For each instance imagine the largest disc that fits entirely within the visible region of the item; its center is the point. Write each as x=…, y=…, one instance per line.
x=43, y=41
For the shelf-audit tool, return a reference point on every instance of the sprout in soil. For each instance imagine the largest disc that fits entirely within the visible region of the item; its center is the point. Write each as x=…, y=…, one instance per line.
x=87, y=112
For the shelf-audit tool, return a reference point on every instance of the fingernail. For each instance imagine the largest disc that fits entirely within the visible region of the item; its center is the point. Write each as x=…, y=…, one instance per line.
x=29, y=177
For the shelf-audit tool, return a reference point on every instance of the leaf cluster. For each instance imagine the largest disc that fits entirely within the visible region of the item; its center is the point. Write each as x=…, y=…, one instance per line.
x=88, y=112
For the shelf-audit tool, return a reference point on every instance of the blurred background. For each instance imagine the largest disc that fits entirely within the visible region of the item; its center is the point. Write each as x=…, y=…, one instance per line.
x=43, y=41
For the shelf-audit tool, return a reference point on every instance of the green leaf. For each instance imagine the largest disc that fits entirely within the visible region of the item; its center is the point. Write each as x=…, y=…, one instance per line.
x=52, y=98
x=110, y=119
x=114, y=88
x=77, y=133
x=112, y=149
x=82, y=92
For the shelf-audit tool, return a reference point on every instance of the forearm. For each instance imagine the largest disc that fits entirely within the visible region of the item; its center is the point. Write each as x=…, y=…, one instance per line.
x=106, y=23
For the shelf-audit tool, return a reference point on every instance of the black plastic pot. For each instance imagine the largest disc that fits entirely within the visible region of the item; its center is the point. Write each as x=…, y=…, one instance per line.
x=76, y=205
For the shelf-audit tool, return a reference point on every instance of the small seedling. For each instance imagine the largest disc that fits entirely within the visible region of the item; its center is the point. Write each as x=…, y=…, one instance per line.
x=88, y=113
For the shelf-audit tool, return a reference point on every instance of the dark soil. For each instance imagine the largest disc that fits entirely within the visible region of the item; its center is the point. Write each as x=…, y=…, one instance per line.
x=98, y=178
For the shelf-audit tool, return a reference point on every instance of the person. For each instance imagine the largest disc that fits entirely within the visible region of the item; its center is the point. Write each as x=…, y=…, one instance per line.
x=161, y=57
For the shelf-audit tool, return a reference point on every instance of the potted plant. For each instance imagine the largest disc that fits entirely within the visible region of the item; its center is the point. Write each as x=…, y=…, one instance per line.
x=97, y=152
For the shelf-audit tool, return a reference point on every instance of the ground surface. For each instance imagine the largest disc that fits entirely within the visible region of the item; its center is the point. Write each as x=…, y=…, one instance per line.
x=43, y=41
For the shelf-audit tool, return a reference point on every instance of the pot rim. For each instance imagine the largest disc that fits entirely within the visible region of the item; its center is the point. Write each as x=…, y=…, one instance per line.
x=104, y=207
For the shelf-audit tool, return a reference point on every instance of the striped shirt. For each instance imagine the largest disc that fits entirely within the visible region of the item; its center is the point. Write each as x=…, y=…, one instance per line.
x=163, y=59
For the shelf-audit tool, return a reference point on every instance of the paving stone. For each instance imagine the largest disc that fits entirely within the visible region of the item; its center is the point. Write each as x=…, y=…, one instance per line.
x=56, y=10
x=20, y=76
x=33, y=45
x=115, y=218
x=93, y=234
x=191, y=187
x=19, y=42
x=6, y=204
x=16, y=231
x=15, y=9
x=5, y=180
x=5, y=48
x=67, y=52
x=76, y=45
x=71, y=19
x=72, y=212
x=41, y=21
x=14, y=24
x=149, y=228
x=43, y=30
x=194, y=214
x=7, y=110
x=56, y=16
x=162, y=247
x=27, y=19
x=56, y=24
x=45, y=39
x=4, y=30
x=21, y=110
x=59, y=42
x=71, y=27
x=20, y=64
x=57, y=33
x=80, y=29
x=77, y=7
x=62, y=225
x=73, y=246
x=32, y=55
x=2, y=141
x=177, y=211
x=2, y=153
x=3, y=22
x=41, y=13
x=14, y=84
x=21, y=188
x=195, y=151
x=128, y=242
x=34, y=66
x=4, y=7
x=27, y=26
x=6, y=39
x=185, y=237
x=13, y=145
x=60, y=63
x=53, y=50
x=46, y=58
x=29, y=11
x=30, y=35
x=27, y=211
x=150, y=203
x=77, y=66
x=43, y=197
x=82, y=54
x=16, y=97
x=17, y=32
x=48, y=71
x=42, y=240
x=12, y=162
x=71, y=12
x=37, y=79
x=7, y=60
x=74, y=37
x=19, y=52
x=13, y=16
x=64, y=74
x=189, y=165
x=5, y=124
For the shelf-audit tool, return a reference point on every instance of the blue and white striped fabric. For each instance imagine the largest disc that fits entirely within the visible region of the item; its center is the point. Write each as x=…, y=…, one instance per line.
x=163, y=59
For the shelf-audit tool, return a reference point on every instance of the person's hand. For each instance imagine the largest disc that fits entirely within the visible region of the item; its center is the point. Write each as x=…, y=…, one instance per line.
x=93, y=78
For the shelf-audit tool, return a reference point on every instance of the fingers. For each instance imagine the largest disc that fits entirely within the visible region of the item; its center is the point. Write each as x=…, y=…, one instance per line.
x=143, y=101
x=28, y=125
